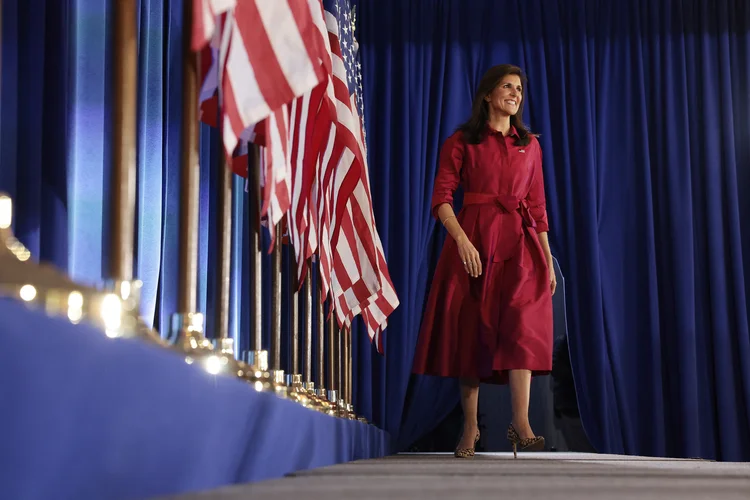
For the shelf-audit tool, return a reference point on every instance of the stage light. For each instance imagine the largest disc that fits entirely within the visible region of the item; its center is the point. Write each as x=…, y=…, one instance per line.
x=27, y=293
x=6, y=212
x=111, y=313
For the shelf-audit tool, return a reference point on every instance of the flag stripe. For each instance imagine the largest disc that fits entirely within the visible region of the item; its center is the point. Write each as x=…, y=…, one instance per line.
x=266, y=32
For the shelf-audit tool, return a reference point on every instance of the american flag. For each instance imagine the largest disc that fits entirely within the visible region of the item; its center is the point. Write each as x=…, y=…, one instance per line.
x=269, y=53
x=313, y=123
x=314, y=155
x=360, y=281
x=338, y=157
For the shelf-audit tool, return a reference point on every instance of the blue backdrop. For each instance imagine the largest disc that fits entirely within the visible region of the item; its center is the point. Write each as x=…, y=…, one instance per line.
x=643, y=113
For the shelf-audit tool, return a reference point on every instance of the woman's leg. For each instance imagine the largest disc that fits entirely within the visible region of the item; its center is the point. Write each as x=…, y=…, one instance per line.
x=520, y=391
x=469, y=404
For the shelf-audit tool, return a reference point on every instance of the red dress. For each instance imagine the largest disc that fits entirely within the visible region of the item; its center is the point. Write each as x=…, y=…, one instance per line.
x=502, y=320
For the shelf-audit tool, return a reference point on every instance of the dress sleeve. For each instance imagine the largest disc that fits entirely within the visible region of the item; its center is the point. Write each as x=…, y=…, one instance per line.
x=536, y=198
x=449, y=172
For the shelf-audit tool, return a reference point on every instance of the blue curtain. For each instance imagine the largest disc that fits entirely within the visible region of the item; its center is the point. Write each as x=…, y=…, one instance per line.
x=642, y=110
x=34, y=127
x=643, y=113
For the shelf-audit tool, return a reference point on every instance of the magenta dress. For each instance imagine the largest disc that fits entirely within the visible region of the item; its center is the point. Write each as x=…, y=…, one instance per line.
x=502, y=320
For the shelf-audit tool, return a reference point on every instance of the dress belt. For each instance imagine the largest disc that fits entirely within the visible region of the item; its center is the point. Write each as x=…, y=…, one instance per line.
x=507, y=202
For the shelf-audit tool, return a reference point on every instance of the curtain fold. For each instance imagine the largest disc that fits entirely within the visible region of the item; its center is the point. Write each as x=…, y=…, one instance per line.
x=34, y=124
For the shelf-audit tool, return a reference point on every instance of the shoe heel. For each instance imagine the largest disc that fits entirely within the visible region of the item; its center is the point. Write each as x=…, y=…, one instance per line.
x=512, y=436
x=467, y=452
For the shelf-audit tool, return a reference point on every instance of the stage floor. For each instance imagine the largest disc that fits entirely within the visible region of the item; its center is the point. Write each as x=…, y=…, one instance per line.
x=534, y=476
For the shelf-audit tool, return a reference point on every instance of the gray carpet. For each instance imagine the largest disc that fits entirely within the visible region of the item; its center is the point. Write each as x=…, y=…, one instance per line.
x=546, y=476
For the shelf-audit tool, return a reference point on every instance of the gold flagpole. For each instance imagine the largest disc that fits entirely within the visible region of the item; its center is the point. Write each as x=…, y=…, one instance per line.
x=308, y=384
x=187, y=323
x=258, y=370
x=294, y=320
x=321, y=357
x=333, y=362
x=122, y=184
x=340, y=368
x=224, y=250
x=189, y=176
x=260, y=357
x=224, y=342
x=122, y=280
x=348, y=374
x=276, y=371
x=225, y=362
x=294, y=380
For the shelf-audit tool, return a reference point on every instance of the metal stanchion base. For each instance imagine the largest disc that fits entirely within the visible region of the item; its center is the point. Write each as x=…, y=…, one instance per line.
x=341, y=406
x=258, y=359
x=316, y=403
x=223, y=362
x=279, y=383
x=352, y=413
x=296, y=392
x=189, y=340
x=129, y=293
x=328, y=406
x=257, y=374
x=333, y=398
x=197, y=349
x=260, y=380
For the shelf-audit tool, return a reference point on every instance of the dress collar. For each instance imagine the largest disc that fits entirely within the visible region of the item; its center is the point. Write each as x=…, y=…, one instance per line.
x=511, y=133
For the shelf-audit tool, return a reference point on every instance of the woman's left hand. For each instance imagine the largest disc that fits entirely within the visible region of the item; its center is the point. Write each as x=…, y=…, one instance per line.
x=552, y=278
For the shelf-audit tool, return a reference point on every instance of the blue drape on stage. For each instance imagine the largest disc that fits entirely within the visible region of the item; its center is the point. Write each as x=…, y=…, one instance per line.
x=643, y=113
x=81, y=422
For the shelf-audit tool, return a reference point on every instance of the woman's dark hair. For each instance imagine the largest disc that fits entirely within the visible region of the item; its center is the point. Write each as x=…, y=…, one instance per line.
x=474, y=128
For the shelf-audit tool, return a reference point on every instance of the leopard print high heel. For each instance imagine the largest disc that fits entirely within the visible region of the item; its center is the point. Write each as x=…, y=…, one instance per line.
x=528, y=444
x=467, y=452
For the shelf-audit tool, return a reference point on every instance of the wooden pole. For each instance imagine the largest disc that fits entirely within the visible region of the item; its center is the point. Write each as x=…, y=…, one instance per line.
x=334, y=364
x=189, y=173
x=257, y=302
x=224, y=250
x=276, y=301
x=294, y=320
x=123, y=180
x=321, y=341
x=308, y=325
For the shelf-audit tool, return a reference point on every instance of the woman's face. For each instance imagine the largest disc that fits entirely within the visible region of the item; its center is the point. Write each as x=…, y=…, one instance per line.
x=506, y=97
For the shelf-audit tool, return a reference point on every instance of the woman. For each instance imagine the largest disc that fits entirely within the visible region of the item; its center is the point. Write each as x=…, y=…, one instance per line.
x=489, y=313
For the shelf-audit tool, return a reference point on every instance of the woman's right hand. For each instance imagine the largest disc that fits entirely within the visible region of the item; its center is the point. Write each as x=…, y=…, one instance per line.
x=469, y=256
